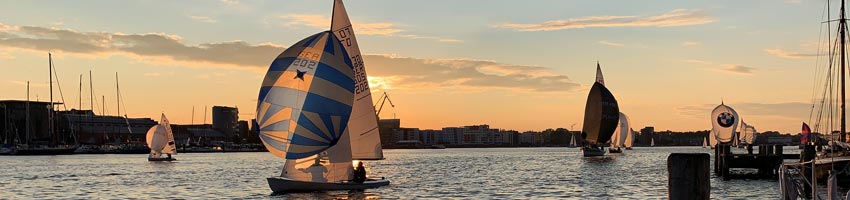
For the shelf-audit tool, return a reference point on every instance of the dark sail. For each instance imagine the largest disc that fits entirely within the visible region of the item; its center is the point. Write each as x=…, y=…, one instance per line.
x=601, y=115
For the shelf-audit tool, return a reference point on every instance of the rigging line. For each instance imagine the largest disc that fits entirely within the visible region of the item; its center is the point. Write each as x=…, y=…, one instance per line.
x=62, y=96
x=817, y=61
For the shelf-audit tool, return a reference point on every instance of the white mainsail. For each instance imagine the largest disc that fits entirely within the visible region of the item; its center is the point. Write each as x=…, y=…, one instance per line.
x=170, y=147
x=363, y=126
x=305, y=103
x=705, y=142
x=630, y=139
x=724, y=121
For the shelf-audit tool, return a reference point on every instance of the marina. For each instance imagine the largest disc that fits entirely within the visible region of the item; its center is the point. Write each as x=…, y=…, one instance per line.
x=310, y=128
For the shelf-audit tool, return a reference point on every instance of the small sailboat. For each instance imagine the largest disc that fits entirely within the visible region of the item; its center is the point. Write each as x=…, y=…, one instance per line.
x=573, y=141
x=652, y=142
x=630, y=139
x=705, y=143
x=601, y=117
x=748, y=134
x=161, y=141
x=315, y=111
x=618, y=140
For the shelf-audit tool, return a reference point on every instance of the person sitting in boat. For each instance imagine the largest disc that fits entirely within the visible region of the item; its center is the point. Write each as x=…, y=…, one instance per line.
x=359, y=173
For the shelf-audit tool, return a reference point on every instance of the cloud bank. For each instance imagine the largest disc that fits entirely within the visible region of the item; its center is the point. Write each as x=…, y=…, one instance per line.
x=677, y=17
x=391, y=71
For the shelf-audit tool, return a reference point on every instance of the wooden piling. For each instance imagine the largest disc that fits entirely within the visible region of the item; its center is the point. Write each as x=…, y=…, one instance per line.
x=688, y=176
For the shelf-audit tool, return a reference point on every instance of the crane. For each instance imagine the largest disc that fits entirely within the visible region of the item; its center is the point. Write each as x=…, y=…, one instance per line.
x=383, y=99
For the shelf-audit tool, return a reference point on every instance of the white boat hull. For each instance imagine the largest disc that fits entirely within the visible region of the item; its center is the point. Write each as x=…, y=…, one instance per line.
x=285, y=185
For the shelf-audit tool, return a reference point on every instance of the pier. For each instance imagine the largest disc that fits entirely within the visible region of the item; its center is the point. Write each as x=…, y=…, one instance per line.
x=766, y=160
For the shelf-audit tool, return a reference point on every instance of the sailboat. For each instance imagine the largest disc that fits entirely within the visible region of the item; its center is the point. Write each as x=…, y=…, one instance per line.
x=630, y=139
x=652, y=142
x=316, y=115
x=748, y=134
x=573, y=141
x=705, y=143
x=724, y=121
x=601, y=117
x=305, y=104
x=160, y=140
x=618, y=140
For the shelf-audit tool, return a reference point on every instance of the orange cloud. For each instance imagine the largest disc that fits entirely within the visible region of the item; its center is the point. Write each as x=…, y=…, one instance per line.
x=786, y=54
x=677, y=17
x=378, y=28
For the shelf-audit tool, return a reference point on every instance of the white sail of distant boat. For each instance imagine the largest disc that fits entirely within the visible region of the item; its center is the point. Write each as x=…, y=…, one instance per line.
x=160, y=140
x=652, y=142
x=748, y=133
x=705, y=142
x=630, y=139
x=621, y=133
x=724, y=121
x=365, y=139
x=572, y=140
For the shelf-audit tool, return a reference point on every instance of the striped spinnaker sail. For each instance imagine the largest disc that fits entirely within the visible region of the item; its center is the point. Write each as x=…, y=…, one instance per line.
x=305, y=100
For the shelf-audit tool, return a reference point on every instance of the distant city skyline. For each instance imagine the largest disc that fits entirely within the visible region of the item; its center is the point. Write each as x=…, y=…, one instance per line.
x=510, y=64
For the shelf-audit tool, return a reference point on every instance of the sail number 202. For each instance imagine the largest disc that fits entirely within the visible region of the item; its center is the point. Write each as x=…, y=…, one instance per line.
x=360, y=82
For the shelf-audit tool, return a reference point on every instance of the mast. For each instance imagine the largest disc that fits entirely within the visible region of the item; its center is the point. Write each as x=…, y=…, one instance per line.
x=81, y=93
x=28, y=113
x=50, y=113
x=842, y=26
x=91, y=93
x=117, y=94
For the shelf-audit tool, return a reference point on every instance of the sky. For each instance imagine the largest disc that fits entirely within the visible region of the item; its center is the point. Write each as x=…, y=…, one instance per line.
x=520, y=65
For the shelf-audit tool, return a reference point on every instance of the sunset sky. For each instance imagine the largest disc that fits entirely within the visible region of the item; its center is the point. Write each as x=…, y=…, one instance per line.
x=522, y=65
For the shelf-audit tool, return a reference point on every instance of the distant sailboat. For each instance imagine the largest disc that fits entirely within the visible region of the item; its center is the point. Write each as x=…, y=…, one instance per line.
x=748, y=134
x=652, y=142
x=618, y=140
x=573, y=141
x=160, y=140
x=705, y=143
x=601, y=117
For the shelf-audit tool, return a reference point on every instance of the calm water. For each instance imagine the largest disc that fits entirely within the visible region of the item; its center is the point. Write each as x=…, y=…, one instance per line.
x=416, y=173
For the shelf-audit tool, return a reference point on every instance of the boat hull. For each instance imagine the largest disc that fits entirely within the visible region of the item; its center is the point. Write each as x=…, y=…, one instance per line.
x=592, y=152
x=285, y=185
x=161, y=159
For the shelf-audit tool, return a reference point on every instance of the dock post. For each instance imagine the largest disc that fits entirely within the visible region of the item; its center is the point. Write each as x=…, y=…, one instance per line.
x=688, y=176
x=726, y=154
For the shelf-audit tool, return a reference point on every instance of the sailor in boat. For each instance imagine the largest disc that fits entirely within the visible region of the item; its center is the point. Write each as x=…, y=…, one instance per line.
x=168, y=154
x=359, y=173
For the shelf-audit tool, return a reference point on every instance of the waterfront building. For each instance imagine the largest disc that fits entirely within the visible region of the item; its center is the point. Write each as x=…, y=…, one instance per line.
x=225, y=120
x=452, y=135
x=386, y=130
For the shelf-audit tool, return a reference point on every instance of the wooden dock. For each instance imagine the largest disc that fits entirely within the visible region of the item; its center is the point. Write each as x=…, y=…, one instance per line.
x=766, y=161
